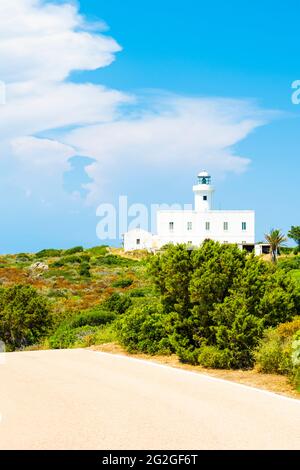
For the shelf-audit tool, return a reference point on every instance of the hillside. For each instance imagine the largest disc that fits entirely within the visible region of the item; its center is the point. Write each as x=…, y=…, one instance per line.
x=58, y=275
x=216, y=308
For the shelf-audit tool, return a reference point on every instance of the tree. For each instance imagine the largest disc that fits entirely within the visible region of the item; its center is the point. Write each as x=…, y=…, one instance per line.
x=217, y=300
x=24, y=316
x=276, y=239
x=294, y=234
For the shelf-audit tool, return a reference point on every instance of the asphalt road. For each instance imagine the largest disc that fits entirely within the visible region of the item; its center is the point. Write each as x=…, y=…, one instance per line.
x=81, y=399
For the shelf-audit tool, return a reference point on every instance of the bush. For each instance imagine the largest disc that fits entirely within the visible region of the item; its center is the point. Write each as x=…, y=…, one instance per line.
x=296, y=250
x=289, y=264
x=98, y=250
x=220, y=296
x=144, y=329
x=48, y=253
x=296, y=360
x=118, y=303
x=138, y=292
x=92, y=318
x=274, y=353
x=72, y=251
x=84, y=269
x=114, y=260
x=24, y=316
x=122, y=283
x=212, y=357
x=286, y=250
x=22, y=258
x=66, y=337
x=72, y=259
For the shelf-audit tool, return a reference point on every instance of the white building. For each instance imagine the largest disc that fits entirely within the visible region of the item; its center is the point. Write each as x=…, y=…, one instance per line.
x=194, y=226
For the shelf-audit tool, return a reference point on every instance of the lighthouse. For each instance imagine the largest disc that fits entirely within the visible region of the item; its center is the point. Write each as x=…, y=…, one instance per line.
x=203, y=192
x=193, y=226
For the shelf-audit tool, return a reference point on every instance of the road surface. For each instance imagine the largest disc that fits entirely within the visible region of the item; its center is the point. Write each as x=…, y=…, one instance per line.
x=81, y=399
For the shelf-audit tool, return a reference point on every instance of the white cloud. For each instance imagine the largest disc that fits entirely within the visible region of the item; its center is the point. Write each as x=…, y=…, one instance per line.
x=179, y=132
x=42, y=154
x=41, y=43
x=45, y=42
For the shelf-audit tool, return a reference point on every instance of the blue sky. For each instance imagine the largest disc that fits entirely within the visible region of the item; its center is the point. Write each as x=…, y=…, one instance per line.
x=140, y=106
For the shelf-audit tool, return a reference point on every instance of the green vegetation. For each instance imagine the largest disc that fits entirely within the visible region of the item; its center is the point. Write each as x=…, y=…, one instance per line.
x=276, y=239
x=220, y=296
x=143, y=329
x=75, y=249
x=84, y=269
x=50, y=252
x=24, y=316
x=294, y=234
x=279, y=350
x=80, y=330
x=215, y=305
x=122, y=283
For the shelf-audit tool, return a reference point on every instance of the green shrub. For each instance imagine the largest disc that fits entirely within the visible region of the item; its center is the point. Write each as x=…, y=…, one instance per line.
x=296, y=250
x=274, y=354
x=67, y=337
x=289, y=264
x=286, y=250
x=118, y=303
x=22, y=258
x=92, y=318
x=25, y=316
x=218, y=295
x=98, y=250
x=48, y=253
x=140, y=292
x=105, y=334
x=75, y=249
x=296, y=360
x=212, y=357
x=122, y=283
x=84, y=269
x=143, y=329
x=114, y=260
x=71, y=259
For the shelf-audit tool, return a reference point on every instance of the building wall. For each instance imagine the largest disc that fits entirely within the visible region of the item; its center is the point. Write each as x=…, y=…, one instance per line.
x=198, y=232
x=146, y=240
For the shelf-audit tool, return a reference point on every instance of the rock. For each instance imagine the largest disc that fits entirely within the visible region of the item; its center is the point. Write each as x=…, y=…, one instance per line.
x=39, y=266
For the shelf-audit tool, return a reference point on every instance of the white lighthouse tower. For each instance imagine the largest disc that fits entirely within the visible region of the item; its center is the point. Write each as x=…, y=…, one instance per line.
x=203, y=191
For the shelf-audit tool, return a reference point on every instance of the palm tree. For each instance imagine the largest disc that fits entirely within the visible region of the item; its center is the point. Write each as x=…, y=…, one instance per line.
x=276, y=239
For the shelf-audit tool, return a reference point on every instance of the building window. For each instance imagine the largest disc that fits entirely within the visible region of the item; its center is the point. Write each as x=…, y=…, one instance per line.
x=244, y=226
x=171, y=226
x=204, y=198
x=207, y=225
x=225, y=225
x=189, y=225
x=138, y=241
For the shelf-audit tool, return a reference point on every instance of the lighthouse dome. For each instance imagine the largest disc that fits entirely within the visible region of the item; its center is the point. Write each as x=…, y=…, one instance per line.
x=203, y=174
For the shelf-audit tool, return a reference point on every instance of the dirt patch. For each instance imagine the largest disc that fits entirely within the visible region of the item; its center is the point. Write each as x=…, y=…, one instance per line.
x=271, y=382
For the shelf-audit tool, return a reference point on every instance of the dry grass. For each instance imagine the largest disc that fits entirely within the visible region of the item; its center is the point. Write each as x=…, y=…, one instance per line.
x=271, y=382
